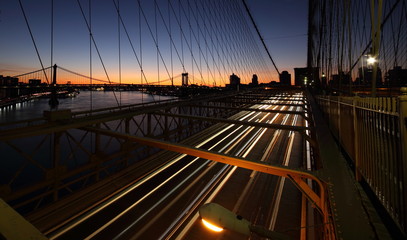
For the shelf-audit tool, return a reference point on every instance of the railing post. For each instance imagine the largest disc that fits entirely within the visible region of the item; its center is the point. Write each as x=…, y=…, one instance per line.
x=356, y=145
x=56, y=163
x=402, y=101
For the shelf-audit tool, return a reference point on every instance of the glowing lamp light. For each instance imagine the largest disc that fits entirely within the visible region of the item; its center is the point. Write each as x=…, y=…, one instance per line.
x=214, y=215
x=371, y=60
x=212, y=226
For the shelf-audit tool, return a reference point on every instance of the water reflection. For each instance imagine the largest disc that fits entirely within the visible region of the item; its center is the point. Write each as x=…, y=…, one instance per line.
x=86, y=100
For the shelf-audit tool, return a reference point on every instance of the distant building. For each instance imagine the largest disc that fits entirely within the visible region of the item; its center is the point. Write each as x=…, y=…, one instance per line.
x=8, y=81
x=342, y=79
x=305, y=76
x=285, y=78
x=396, y=77
x=301, y=76
x=234, y=80
x=366, y=75
x=255, y=80
x=34, y=82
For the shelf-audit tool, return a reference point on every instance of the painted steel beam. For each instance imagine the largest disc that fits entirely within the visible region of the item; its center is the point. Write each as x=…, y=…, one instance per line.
x=264, y=102
x=15, y=227
x=297, y=176
x=62, y=120
x=255, y=110
x=271, y=97
x=230, y=121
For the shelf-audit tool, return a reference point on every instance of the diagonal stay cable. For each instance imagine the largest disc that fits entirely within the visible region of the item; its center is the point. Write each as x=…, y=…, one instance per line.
x=33, y=40
x=261, y=38
x=154, y=39
x=130, y=42
x=370, y=42
x=184, y=36
x=97, y=49
x=170, y=35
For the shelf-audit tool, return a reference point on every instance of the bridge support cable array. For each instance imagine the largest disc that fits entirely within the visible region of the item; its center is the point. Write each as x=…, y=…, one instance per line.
x=359, y=48
x=369, y=53
x=210, y=44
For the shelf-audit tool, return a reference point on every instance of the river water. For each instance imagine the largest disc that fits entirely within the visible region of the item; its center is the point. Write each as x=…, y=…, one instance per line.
x=85, y=100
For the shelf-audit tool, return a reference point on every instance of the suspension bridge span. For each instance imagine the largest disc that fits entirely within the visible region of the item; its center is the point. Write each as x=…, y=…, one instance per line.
x=322, y=159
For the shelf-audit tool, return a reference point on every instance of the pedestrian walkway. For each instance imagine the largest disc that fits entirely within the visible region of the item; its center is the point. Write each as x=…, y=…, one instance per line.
x=353, y=213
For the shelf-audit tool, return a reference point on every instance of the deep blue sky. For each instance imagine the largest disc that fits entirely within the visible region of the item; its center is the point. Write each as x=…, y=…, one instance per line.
x=283, y=24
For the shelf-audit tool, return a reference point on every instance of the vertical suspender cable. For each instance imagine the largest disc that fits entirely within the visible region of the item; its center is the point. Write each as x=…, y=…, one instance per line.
x=96, y=48
x=90, y=57
x=180, y=28
x=157, y=46
x=190, y=38
x=141, y=52
x=119, y=43
x=52, y=35
x=350, y=43
x=170, y=33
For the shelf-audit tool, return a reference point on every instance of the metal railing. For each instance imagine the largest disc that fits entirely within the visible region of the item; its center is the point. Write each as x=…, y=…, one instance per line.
x=373, y=133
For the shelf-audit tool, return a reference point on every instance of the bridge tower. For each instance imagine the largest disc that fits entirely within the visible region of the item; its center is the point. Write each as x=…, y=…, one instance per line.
x=184, y=79
x=53, y=101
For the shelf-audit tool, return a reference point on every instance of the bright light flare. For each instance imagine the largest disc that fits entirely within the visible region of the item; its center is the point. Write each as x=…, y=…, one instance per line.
x=211, y=226
x=371, y=60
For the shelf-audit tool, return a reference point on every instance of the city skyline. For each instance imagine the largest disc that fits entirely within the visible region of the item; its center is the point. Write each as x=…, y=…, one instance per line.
x=283, y=33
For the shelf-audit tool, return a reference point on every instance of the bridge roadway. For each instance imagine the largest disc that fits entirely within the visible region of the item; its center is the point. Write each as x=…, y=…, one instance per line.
x=162, y=204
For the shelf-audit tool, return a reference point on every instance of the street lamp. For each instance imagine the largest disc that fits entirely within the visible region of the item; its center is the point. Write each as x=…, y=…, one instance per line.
x=371, y=60
x=218, y=218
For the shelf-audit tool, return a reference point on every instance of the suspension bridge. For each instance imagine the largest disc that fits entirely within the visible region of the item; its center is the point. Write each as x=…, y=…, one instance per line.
x=324, y=159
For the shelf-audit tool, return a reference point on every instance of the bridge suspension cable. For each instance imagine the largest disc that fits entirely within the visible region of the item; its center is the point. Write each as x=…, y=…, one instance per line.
x=208, y=39
x=261, y=38
x=345, y=34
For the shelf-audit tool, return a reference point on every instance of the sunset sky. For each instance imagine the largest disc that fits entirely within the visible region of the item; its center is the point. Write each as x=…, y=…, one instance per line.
x=282, y=23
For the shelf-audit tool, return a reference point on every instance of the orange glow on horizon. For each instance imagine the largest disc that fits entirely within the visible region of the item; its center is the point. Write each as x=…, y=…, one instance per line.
x=150, y=77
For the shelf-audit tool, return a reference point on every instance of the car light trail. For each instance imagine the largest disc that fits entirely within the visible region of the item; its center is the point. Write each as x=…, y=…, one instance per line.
x=108, y=202
x=280, y=186
x=148, y=194
x=236, y=136
x=248, y=149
